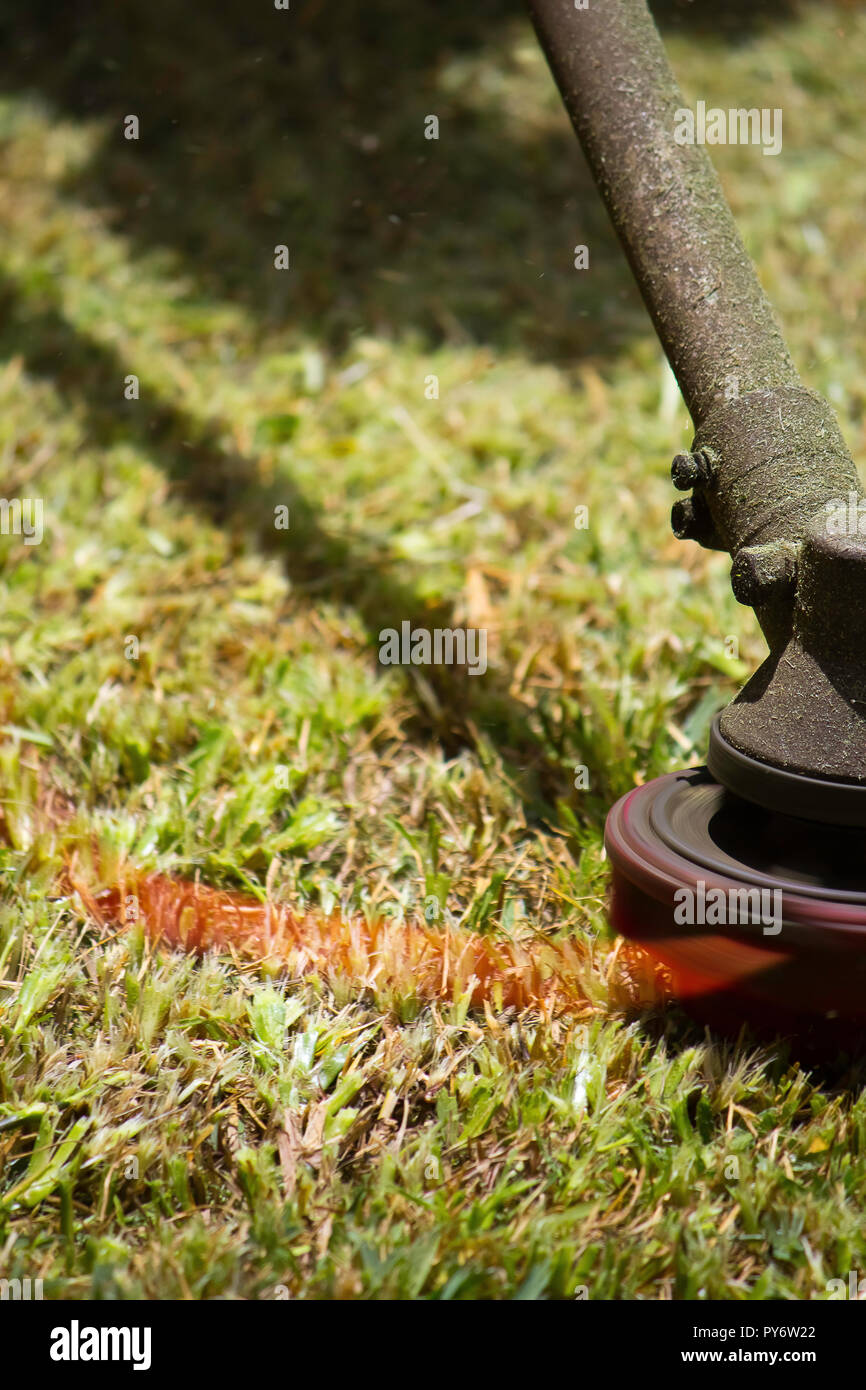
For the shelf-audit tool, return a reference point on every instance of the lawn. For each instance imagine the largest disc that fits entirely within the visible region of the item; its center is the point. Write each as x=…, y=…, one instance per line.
x=425, y=397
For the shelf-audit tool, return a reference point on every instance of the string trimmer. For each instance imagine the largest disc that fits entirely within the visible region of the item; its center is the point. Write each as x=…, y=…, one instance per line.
x=745, y=878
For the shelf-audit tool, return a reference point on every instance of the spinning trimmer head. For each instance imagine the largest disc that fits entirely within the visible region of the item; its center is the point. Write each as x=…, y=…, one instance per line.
x=748, y=880
x=759, y=917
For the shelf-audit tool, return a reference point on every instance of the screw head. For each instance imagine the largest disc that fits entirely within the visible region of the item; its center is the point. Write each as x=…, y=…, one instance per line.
x=683, y=520
x=685, y=472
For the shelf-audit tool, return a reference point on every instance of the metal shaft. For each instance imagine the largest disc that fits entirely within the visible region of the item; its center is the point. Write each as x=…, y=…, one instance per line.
x=768, y=455
x=665, y=200
x=768, y=467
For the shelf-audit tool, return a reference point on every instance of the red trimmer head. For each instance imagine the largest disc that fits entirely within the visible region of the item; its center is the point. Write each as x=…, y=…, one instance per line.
x=759, y=917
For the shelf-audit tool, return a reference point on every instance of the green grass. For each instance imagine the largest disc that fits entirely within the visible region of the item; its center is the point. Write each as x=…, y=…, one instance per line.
x=178, y=1128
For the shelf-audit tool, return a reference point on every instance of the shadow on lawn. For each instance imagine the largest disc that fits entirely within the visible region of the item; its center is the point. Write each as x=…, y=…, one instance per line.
x=347, y=569
x=834, y=1055
x=260, y=126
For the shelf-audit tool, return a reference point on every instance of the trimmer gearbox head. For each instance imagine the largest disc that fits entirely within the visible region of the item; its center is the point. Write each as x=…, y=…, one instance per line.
x=794, y=739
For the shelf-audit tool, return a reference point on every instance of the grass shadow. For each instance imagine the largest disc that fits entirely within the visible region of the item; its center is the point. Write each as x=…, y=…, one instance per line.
x=350, y=569
x=261, y=127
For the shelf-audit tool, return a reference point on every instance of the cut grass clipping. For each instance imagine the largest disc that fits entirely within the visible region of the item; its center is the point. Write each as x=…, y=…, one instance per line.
x=391, y=959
